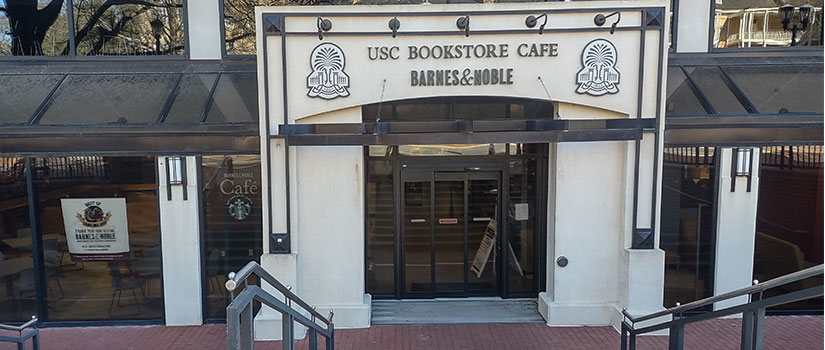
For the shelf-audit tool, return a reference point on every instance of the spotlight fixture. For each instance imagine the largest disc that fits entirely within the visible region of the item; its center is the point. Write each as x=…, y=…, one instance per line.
x=394, y=24
x=600, y=19
x=324, y=25
x=532, y=20
x=464, y=23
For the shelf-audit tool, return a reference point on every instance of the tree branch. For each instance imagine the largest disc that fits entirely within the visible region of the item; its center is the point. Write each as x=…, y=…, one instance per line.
x=104, y=7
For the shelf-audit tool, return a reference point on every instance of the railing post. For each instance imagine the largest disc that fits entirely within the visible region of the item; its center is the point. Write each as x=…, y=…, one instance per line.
x=233, y=332
x=677, y=337
x=288, y=331
x=313, y=338
x=331, y=339
x=624, y=336
x=758, y=328
x=747, y=330
x=246, y=321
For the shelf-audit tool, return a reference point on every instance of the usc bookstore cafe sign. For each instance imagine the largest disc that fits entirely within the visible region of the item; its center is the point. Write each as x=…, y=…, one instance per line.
x=96, y=228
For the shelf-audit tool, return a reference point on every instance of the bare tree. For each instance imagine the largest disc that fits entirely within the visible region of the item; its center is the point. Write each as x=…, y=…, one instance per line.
x=29, y=25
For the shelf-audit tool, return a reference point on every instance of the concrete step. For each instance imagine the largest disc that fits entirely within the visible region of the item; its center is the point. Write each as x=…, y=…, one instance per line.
x=450, y=311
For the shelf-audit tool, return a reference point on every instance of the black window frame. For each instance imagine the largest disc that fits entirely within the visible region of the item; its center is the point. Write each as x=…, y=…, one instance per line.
x=712, y=29
x=224, y=55
x=73, y=56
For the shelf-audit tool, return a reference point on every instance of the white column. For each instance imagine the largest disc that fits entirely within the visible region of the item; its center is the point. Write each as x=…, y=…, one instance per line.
x=588, y=230
x=180, y=242
x=204, y=25
x=735, y=229
x=693, y=26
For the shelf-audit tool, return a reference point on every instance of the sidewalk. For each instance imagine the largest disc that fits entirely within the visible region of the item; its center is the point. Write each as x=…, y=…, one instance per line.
x=781, y=332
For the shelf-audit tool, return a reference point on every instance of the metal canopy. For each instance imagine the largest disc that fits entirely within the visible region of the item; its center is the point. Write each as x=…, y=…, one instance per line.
x=128, y=94
x=128, y=107
x=744, y=101
x=465, y=131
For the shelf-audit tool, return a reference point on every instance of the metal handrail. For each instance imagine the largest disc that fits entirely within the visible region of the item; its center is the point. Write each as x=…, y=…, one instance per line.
x=253, y=268
x=20, y=339
x=21, y=327
x=753, y=312
x=240, y=317
x=756, y=288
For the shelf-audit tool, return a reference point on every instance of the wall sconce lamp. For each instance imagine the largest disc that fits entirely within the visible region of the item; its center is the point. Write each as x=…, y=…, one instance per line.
x=175, y=175
x=464, y=24
x=173, y=170
x=741, y=165
x=324, y=25
x=600, y=19
x=394, y=24
x=786, y=15
x=531, y=22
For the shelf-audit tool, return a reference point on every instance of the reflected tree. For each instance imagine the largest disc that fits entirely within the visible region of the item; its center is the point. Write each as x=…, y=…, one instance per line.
x=101, y=27
x=28, y=25
x=128, y=27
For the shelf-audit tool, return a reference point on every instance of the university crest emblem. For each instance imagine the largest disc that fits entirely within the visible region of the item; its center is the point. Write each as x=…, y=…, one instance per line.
x=598, y=75
x=328, y=79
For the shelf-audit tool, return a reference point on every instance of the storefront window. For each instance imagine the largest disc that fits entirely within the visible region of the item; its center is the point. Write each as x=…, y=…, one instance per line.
x=34, y=28
x=789, y=219
x=758, y=23
x=98, y=220
x=124, y=28
x=523, y=220
x=380, y=228
x=137, y=28
x=232, y=221
x=18, y=293
x=687, y=223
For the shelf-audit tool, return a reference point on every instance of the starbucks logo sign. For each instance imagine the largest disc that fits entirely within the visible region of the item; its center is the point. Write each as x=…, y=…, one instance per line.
x=239, y=207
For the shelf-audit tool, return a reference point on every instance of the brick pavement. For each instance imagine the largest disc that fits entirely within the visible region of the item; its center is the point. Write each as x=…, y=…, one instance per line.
x=781, y=332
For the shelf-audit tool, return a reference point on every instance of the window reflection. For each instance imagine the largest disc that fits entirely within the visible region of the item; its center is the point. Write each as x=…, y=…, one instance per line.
x=232, y=214
x=463, y=107
x=34, y=28
x=149, y=27
x=687, y=223
x=789, y=218
x=110, y=277
x=452, y=150
x=758, y=24
x=523, y=222
x=17, y=295
x=239, y=24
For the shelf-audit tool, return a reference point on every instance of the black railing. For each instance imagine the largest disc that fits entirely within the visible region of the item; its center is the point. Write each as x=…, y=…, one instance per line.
x=753, y=312
x=240, y=331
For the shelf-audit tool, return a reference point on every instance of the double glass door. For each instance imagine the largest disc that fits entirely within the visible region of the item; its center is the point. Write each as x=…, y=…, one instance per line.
x=449, y=234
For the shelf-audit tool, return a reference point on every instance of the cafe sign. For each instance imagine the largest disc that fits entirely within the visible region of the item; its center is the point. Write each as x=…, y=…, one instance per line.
x=368, y=55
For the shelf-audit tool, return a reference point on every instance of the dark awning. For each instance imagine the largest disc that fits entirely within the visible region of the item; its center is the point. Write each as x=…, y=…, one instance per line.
x=744, y=100
x=177, y=106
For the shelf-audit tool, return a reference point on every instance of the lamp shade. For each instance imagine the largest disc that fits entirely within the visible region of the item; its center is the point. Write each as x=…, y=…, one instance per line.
x=157, y=27
x=805, y=14
x=786, y=14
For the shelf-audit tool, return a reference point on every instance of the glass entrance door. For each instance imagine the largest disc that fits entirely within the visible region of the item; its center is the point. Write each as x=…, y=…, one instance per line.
x=449, y=234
